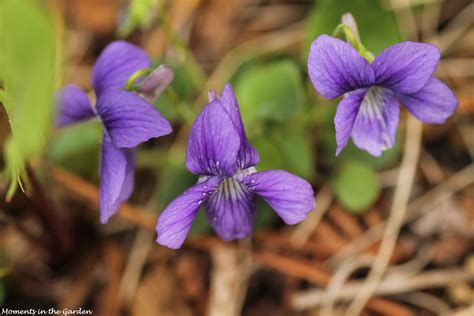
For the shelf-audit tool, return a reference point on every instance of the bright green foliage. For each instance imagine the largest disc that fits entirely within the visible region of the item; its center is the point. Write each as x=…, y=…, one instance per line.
x=356, y=186
x=270, y=92
x=77, y=148
x=27, y=72
x=139, y=15
x=175, y=179
x=298, y=154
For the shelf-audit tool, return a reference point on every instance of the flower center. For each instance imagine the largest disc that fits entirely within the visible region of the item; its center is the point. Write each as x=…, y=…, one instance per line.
x=372, y=109
x=231, y=187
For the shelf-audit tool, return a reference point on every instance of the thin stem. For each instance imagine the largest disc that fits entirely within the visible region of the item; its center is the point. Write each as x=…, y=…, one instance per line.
x=349, y=36
x=137, y=74
x=398, y=210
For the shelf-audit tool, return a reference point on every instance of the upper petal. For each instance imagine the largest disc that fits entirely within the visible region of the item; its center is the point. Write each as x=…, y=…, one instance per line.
x=345, y=117
x=335, y=67
x=376, y=122
x=231, y=210
x=433, y=104
x=129, y=119
x=176, y=219
x=117, y=62
x=290, y=196
x=406, y=67
x=72, y=105
x=116, y=178
x=213, y=143
x=248, y=155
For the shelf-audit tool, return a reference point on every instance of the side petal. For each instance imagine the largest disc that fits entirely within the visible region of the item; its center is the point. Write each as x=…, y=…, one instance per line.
x=248, y=155
x=376, y=122
x=129, y=119
x=176, y=219
x=116, y=178
x=72, y=106
x=406, y=67
x=345, y=117
x=117, y=62
x=433, y=104
x=231, y=210
x=290, y=196
x=335, y=67
x=213, y=143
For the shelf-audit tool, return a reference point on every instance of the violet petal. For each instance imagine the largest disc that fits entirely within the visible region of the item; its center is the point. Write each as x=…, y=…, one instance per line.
x=345, y=117
x=433, y=104
x=290, y=196
x=117, y=178
x=231, y=210
x=117, y=62
x=213, y=143
x=406, y=67
x=73, y=106
x=335, y=67
x=130, y=119
x=248, y=155
x=176, y=219
x=376, y=122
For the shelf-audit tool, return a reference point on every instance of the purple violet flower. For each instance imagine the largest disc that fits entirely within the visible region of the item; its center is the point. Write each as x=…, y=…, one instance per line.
x=128, y=118
x=219, y=152
x=369, y=112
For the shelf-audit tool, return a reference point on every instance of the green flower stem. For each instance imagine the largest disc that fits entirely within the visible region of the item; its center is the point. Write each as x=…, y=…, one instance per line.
x=181, y=46
x=344, y=30
x=137, y=74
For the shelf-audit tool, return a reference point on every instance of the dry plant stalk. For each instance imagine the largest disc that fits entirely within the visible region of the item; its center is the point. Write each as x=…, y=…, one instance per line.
x=398, y=210
x=229, y=281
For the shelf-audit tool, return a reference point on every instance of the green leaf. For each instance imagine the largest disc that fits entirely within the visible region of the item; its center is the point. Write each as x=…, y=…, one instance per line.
x=174, y=180
x=297, y=151
x=200, y=224
x=265, y=216
x=286, y=149
x=271, y=156
x=272, y=92
x=377, y=26
x=356, y=186
x=77, y=148
x=28, y=71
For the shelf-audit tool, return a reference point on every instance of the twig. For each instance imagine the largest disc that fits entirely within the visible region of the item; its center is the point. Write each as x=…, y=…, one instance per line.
x=430, y=168
x=427, y=301
x=230, y=274
x=405, y=18
x=430, y=20
x=399, y=207
x=293, y=267
x=464, y=312
x=130, y=278
x=418, y=207
x=347, y=223
x=276, y=41
x=388, y=286
x=338, y=279
x=451, y=33
x=304, y=230
x=90, y=192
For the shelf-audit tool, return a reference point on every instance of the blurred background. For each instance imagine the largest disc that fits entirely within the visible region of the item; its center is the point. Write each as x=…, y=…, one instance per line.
x=54, y=253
